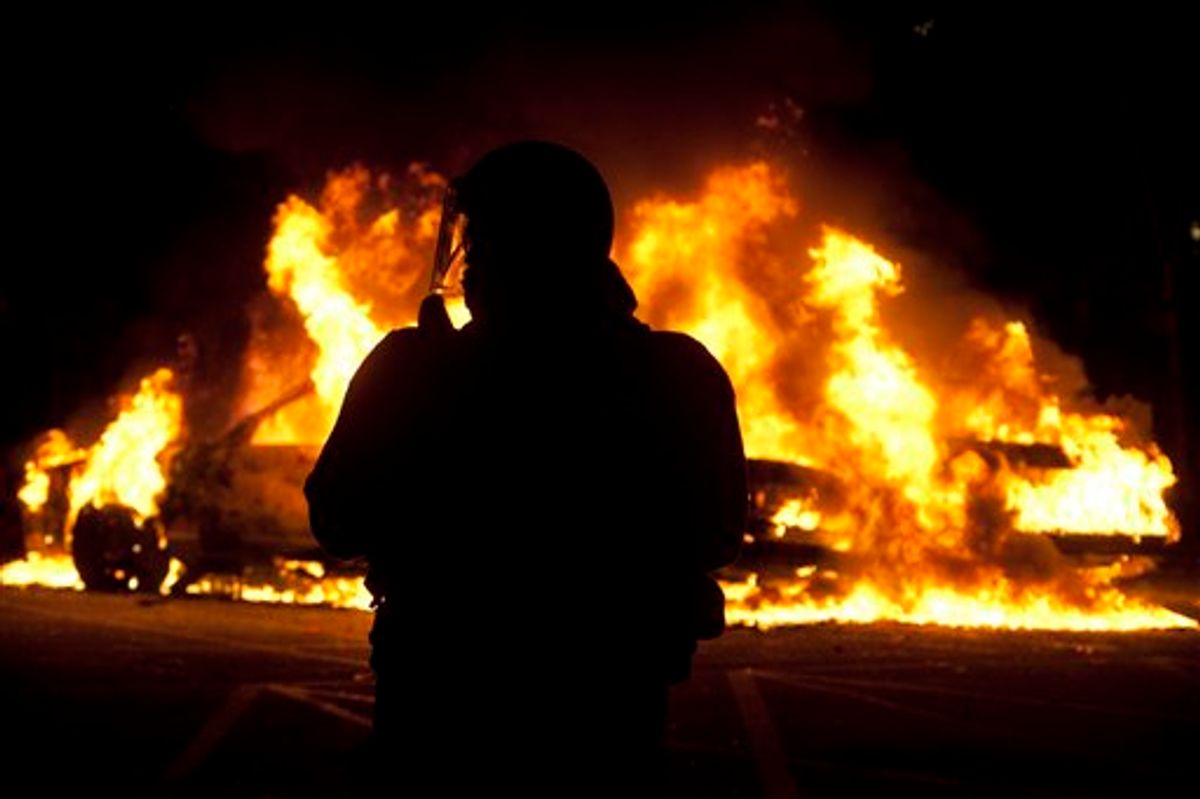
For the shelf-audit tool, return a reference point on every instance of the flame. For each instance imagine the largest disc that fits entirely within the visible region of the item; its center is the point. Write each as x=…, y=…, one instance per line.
x=1115, y=487
x=123, y=467
x=175, y=571
x=932, y=535
x=999, y=606
x=821, y=380
x=55, y=449
x=320, y=258
x=36, y=489
x=682, y=261
x=50, y=571
x=293, y=583
x=884, y=410
x=299, y=267
x=939, y=491
x=1112, y=488
x=798, y=514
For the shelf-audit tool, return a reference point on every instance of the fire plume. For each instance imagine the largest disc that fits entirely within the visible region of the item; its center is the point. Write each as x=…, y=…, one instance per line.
x=55, y=449
x=123, y=467
x=320, y=258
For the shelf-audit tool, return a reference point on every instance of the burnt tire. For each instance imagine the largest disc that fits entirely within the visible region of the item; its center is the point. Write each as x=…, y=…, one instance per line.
x=110, y=549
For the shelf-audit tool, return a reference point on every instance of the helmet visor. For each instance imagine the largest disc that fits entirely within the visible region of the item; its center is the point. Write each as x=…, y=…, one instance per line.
x=449, y=257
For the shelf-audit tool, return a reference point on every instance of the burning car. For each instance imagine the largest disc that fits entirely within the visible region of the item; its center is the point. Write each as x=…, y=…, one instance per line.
x=920, y=473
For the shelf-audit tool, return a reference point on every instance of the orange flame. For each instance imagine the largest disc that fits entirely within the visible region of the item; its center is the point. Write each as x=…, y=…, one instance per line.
x=55, y=449
x=1000, y=606
x=821, y=381
x=682, y=261
x=798, y=514
x=294, y=583
x=1115, y=486
x=48, y=570
x=123, y=467
x=929, y=532
x=323, y=258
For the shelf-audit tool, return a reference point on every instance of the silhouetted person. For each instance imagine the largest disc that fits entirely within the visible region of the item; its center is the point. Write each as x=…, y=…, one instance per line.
x=540, y=498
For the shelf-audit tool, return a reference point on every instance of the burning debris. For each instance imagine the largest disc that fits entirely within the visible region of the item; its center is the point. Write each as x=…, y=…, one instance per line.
x=930, y=485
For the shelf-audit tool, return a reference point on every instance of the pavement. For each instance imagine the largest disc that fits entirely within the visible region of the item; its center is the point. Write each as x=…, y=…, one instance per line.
x=200, y=696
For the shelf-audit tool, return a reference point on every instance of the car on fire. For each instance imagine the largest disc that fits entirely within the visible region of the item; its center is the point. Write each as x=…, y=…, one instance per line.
x=233, y=505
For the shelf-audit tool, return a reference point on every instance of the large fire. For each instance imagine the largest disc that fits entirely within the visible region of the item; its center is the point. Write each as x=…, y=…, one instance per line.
x=935, y=489
x=932, y=534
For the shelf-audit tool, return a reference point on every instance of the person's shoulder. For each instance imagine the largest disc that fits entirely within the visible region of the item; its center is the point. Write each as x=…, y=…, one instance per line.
x=683, y=356
x=682, y=348
x=400, y=349
x=401, y=343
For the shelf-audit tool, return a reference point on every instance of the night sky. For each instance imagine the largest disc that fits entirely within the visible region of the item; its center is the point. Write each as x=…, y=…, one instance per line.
x=1050, y=158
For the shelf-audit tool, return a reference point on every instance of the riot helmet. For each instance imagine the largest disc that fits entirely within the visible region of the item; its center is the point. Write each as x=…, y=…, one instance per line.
x=531, y=219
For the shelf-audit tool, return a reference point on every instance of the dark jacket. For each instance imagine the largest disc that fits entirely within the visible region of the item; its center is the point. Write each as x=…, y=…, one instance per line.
x=562, y=493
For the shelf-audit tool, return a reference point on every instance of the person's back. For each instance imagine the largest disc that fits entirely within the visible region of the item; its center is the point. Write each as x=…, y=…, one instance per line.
x=540, y=497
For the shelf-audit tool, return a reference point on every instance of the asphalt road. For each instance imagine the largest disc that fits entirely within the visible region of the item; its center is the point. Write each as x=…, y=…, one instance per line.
x=128, y=697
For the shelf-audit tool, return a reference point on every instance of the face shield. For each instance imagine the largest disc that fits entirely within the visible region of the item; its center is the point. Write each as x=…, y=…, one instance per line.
x=449, y=258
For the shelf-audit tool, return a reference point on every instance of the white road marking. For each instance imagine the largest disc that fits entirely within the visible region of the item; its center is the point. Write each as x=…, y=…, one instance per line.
x=223, y=722
x=219, y=725
x=300, y=695
x=345, y=696
x=764, y=741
